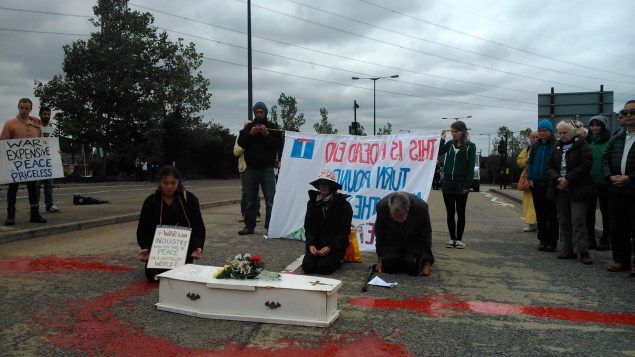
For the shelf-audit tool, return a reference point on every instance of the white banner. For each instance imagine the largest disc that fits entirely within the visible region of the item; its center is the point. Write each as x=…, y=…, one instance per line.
x=30, y=159
x=368, y=168
x=169, y=247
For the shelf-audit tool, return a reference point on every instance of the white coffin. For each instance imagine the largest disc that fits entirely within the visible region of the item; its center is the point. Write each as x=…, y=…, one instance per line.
x=294, y=299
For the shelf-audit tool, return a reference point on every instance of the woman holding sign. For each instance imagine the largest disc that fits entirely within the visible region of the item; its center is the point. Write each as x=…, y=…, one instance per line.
x=458, y=173
x=170, y=205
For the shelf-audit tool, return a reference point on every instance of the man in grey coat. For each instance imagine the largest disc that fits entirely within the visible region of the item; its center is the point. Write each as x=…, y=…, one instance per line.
x=403, y=235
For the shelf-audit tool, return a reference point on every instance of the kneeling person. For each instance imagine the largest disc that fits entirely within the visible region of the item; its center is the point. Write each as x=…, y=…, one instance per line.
x=403, y=235
x=327, y=225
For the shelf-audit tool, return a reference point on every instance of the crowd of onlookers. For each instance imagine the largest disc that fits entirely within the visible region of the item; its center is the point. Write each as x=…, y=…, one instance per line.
x=569, y=169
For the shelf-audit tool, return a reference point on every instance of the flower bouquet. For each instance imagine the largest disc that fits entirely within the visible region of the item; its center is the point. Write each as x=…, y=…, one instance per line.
x=243, y=266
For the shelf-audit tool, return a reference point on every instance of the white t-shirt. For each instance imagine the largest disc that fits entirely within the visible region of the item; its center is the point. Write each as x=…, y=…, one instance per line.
x=47, y=130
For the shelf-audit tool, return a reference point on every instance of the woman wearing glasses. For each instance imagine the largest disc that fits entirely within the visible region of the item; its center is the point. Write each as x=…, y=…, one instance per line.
x=618, y=168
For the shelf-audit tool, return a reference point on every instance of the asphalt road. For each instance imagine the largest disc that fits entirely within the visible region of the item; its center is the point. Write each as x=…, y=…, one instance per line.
x=83, y=293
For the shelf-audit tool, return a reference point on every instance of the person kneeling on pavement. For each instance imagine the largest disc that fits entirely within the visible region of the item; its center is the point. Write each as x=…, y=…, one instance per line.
x=327, y=225
x=403, y=235
x=170, y=205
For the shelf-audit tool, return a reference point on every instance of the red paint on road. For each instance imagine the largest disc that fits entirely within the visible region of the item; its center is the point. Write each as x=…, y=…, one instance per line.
x=47, y=264
x=92, y=327
x=440, y=305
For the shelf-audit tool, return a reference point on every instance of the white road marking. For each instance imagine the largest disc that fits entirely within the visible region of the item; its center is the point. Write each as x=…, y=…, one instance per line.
x=293, y=266
x=495, y=200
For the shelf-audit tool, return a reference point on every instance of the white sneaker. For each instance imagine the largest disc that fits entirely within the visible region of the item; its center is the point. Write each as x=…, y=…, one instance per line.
x=451, y=243
x=460, y=244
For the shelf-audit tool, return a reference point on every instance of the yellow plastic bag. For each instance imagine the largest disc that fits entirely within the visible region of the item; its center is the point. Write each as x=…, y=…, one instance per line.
x=352, y=252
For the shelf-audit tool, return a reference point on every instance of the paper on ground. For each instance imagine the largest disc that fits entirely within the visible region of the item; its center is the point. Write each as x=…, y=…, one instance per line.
x=377, y=281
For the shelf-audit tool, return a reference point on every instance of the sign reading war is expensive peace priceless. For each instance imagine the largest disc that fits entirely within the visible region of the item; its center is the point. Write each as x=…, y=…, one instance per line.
x=30, y=159
x=169, y=247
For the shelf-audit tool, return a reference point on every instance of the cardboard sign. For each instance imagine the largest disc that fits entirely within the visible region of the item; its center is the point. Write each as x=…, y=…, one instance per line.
x=169, y=247
x=31, y=159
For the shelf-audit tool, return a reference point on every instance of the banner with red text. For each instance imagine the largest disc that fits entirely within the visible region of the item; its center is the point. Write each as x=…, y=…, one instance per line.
x=368, y=168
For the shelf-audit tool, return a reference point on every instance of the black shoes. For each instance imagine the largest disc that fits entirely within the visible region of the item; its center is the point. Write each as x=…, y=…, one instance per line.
x=246, y=231
x=567, y=255
x=10, y=221
x=37, y=219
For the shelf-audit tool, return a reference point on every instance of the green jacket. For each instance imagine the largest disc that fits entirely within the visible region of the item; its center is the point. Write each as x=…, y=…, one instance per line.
x=458, y=166
x=597, y=148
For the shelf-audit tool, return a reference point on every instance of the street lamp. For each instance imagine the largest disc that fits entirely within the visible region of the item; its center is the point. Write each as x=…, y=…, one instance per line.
x=488, y=144
x=458, y=118
x=374, y=79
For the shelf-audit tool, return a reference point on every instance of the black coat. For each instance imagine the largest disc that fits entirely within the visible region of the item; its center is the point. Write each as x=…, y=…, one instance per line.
x=260, y=150
x=612, y=163
x=579, y=164
x=394, y=240
x=330, y=229
x=187, y=208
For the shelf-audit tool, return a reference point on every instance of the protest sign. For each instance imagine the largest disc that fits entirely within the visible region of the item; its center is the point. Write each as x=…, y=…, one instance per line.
x=368, y=168
x=30, y=159
x=169, y=247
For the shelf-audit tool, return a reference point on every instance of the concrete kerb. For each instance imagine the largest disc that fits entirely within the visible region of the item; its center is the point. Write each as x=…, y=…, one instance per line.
x=6, y=237
x=506, y=195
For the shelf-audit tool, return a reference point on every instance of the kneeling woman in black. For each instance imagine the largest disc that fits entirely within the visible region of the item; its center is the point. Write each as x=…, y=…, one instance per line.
x=327, y=225
x=170, y=205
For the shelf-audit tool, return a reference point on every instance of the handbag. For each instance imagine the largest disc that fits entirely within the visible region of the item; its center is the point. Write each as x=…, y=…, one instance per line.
x=523, y=184
x=353, y=254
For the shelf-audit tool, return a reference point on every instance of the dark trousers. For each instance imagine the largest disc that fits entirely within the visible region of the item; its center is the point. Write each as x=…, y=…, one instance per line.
x=622, y=211
x=243, y=197
x=253, y=180
x=408, y=263
x=321, y=265
x=48, y=192
x=546, y=216
x=603, y=198
x=455, y=204
x=12, y=193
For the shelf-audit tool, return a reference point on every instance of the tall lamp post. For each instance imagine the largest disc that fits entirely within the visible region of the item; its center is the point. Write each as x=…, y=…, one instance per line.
x=374, y=79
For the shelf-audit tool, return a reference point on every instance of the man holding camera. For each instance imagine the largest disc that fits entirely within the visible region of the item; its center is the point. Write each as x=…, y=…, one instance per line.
x=261, y=140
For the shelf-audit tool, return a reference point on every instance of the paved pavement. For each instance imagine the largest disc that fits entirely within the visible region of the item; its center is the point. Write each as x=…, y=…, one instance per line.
x=83, y=293
x=125, y=200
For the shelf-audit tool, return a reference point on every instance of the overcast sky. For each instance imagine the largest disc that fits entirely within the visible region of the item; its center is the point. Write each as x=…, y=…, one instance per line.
x=484, y=58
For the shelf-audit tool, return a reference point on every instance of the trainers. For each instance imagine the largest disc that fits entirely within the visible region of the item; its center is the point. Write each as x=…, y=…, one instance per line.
x=242, y=219
x=530, y=228
x=258, y=218
x=586, y=259
x=53, y=209
x=460, y=244
x=451, y=244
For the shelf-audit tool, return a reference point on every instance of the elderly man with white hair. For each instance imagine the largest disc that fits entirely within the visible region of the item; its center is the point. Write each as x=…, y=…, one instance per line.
x=570, y=186
x=403, y=235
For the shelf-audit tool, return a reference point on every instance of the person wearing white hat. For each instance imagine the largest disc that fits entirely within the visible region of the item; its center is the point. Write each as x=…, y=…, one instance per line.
x=327, y=224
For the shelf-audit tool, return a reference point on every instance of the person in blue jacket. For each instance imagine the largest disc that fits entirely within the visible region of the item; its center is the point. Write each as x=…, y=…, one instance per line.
x=546, y=214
